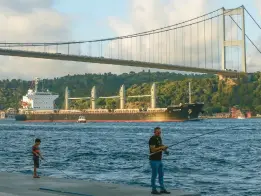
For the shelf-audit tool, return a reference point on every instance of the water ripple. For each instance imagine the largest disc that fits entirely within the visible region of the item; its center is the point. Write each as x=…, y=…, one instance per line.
x=222, y=163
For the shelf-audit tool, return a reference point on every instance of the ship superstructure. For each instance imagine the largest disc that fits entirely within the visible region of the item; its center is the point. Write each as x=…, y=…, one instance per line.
x=34, y=100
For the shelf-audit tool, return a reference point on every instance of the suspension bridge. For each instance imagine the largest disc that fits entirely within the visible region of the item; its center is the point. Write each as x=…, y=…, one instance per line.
x=213, y=43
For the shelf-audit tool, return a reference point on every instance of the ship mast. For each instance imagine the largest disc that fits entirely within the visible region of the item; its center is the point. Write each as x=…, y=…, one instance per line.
x=189, y=92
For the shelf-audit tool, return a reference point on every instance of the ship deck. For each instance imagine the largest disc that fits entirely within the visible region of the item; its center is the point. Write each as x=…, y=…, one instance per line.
x=16, y=184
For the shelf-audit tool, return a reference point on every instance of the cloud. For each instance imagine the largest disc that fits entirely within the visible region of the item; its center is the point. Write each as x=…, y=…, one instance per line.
x=25, y=6
x=36, y=20
x=258, y=3
x=33, y=21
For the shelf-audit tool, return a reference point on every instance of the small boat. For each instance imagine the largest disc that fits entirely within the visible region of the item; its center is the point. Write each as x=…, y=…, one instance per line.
x=81, y=119
x=240, y=117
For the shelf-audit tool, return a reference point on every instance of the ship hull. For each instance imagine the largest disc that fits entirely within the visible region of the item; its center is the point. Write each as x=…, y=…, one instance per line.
x=172, y=114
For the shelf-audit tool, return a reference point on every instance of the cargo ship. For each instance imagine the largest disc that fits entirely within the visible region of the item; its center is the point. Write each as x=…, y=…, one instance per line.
x=39, y=106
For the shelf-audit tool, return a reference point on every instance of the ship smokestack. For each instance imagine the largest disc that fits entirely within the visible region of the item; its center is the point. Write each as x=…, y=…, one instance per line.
x=122, y=97
x=153, y=95
x=93, y=98
x=66, y=98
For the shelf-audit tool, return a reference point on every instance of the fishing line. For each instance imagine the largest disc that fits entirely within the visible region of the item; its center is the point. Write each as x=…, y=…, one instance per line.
x=58, y=169
x=183, y=141
x=194, y=138
x=34, y=136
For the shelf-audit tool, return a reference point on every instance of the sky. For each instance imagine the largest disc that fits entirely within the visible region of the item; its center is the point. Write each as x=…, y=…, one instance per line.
x=66, y=20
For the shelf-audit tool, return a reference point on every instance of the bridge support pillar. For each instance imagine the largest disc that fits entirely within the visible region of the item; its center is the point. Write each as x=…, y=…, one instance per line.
x=230, y=43
x=153, y=95
x=66, y=99
x=93, y=98
x=122, y=97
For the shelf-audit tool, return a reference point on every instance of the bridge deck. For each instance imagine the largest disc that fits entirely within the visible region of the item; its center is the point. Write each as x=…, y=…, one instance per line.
x=100, y=60
x=24, y=185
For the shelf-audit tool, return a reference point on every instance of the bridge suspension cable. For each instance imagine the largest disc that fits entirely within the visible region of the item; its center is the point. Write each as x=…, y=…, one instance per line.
x=193, y=45
x=155, y=31
x=252, y=18
x=245, y=34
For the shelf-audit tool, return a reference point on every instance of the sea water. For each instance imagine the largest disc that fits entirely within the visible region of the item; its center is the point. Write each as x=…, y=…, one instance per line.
x=226, y=162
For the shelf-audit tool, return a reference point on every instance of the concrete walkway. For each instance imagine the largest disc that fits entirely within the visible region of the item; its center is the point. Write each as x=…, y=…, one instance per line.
x=24, y=185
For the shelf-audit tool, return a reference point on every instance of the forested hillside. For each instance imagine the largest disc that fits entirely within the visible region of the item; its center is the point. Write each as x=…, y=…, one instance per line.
x=172, y=89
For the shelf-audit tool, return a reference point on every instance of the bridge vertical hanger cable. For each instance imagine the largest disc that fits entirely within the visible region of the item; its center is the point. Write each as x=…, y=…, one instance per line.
x=169, y=40
x=88, y=49
x=205, y=44
x=121, y=47
x=131, y=56
x=166, y=43
x=218, y=18
x=174, y=46
x=185, y=37
x=190, y=46
x=149, y=48
x=118, y=56
x=161, y=46
x=198, y=42
x=177, y=56
x=231, y=51
x=100, y=49
x=129, y=49
x=91, y=50
x=164, y=49
x=238, y=67
x=178, y=46
x=126, y=48
x=110, y=48
x=153, y=46
x=211, y=43
x=183, y=56
x=136, y=48
x=158, y=48
x=144, y=48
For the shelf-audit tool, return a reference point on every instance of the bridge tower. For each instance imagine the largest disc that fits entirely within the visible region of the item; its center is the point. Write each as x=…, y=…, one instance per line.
x=240, y=43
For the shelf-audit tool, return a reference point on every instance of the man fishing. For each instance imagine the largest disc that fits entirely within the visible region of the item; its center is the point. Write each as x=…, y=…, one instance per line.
x=155, y=145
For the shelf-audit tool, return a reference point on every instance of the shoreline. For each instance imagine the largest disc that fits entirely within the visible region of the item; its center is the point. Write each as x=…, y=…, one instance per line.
x=17, y=184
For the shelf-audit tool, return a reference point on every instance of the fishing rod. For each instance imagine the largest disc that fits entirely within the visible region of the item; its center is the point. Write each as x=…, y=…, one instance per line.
x=49, y=162
x=193, y=138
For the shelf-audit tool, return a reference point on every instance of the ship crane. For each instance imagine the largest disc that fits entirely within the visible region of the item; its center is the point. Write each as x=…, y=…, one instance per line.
x=122, y=96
